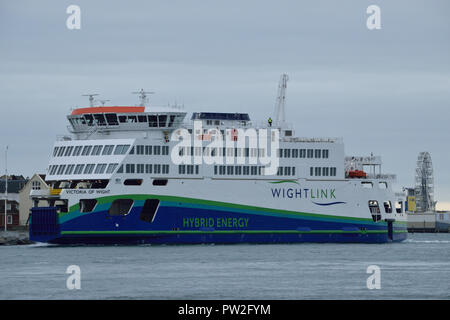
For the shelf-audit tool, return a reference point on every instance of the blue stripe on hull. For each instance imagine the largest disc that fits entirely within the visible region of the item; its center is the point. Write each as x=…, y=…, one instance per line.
x=171, y=228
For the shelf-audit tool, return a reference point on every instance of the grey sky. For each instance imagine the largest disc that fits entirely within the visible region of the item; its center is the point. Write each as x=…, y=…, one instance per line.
x=384, y=91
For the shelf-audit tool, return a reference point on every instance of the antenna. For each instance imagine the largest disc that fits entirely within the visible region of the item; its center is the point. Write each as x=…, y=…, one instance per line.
x=91, y=98
x=143, y=96
x=281, y=99
x=103, y=102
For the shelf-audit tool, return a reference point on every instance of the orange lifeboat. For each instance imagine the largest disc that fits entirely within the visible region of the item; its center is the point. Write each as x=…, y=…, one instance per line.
x=357, y=174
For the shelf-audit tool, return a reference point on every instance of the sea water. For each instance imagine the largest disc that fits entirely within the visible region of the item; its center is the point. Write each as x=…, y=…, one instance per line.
x=418, y=268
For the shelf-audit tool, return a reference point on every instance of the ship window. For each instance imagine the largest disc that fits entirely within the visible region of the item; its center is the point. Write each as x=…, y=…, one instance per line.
x=97, y=150
x=280, y=153
x=221, y=170
x=111, y=118
x=111, y=167
x=374, y=210
x=89, y=168
x=302, y=153
x=382, y=185
x=132, y=182
x=120, y=170
x=287, y=171
x=61, y=169
x=280, y=171
x=311, y=171
x=317, y=153
x=238, y=170
x=87, y=205
x=79, y=169
x=142, y=118
x=165, y=169
x=86, y=150
x=132, y=150
x=69, y=169
x=156, y=150
x=288, y=133
x=157, y=168
x=152, y=121
x=100, y=169
x=55, y=151
x=61, y=151
x=230, y=170
x=162, y=120
x=148, y=150
x=333, y=171
x=129, y=168
x=181, y=169
x=100, y=119
x=122, y=119
x=120, y=207
x=121, y=149
x=132, y=119
x=254, y=170
x=310, y=153
x=160, y=182
x=317, y=171
x=89, y=119
x=287, y=153
x=171, y=120
x=68, y=151
x=165, y=150
x=148, y=168
x=387, y=207
x=399, y=207
x=294, y=153
x=215, y=169
x=325, y=153
x=325, y=171
x=367, y=185
x=149, y=210
x=293, y=171
x=77, y=151
x=107, y=150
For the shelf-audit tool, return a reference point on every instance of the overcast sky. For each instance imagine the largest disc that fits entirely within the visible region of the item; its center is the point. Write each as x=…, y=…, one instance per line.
x=384, y=91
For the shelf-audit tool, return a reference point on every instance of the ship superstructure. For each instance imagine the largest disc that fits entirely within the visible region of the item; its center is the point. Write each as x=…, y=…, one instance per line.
x=115, y=179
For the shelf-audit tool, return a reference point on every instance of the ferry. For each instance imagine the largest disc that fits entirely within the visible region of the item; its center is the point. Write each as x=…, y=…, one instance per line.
x=151, y=175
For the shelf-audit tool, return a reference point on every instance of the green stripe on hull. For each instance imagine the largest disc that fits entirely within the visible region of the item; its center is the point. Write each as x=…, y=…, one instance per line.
x=226, y=232
x=222, y=206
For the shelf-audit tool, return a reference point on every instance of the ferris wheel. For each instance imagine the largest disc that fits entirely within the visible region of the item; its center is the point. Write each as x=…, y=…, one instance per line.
x=424, y=189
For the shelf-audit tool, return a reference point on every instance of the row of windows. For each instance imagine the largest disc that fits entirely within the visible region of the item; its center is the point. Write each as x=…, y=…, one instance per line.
x=90, y=150
x=149, y=150
x=250, y=170
x=322, y=171
x=113, y=119
x=107, y=150
x=188, y=169
x=229, y=152
x=254, y=152
x=304, y=153
x=144, y=168
x=89, y=168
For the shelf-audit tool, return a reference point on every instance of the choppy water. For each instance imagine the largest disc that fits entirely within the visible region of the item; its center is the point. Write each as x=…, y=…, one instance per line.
x=418, y=268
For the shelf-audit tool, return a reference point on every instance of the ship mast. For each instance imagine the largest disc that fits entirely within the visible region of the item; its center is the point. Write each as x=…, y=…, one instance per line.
x=91, y=98
x=142, y=96
x=279, y=113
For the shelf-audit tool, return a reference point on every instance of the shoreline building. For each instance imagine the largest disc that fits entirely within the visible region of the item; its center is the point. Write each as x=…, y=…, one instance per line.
x=36, y=182
x=15, y=184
